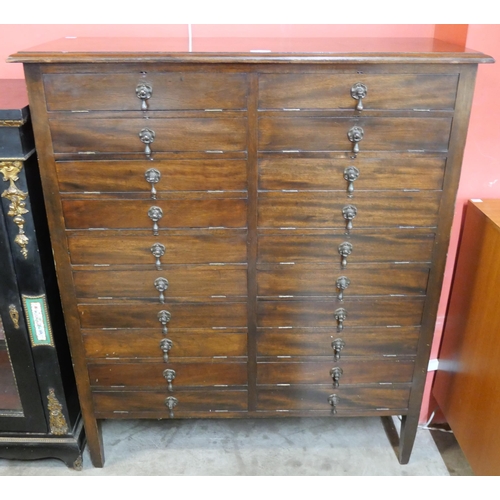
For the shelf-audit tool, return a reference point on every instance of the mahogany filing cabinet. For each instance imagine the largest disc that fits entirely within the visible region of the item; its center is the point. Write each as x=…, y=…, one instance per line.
x=243, y=232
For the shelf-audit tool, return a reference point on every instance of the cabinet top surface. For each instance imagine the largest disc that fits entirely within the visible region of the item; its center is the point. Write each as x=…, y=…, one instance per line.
x=490, y=208
x=250, y=50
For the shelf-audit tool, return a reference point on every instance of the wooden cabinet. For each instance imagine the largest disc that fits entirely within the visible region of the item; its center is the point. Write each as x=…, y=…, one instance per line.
x=466, y=386
x=39, y=410
x=244, y=234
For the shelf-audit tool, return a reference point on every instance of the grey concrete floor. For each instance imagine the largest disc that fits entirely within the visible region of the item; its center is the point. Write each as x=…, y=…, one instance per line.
x=271, y=447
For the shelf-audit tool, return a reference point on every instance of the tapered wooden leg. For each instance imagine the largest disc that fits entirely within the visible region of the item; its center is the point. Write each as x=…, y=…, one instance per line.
x=93, y=433
x=409, y=426
x=402, y=442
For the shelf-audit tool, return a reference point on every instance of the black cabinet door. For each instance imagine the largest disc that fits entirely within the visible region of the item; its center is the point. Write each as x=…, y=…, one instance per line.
x=21, y=408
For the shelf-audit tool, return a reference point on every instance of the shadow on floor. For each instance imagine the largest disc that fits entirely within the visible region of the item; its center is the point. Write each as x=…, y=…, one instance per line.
x=450, y=451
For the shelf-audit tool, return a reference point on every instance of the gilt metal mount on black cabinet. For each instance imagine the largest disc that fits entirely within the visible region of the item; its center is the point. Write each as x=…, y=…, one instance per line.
x=39, y=410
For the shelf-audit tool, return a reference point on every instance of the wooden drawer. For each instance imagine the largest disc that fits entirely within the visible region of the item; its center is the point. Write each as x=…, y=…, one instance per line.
x=186, y=315
x=320, y=133
x=170, y=90
x=277, y=173
x=317, y=371
x=121, y=135
x=176, y=213
x=145, y=343
x=349, y=399
x=134, y=247
x=309, y=279
x=381, y=342
x=390, y=245
x=129, y=176
x=330, y=91
x=360, y=312
x=187, y=374
x=116, y=403
x=186, y=281
x=322, y=210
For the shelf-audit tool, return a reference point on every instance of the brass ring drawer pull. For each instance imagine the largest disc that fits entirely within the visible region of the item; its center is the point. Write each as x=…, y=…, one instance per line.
x=144, y=91
x=358, y=92
x=171, y=403
x=152, y=176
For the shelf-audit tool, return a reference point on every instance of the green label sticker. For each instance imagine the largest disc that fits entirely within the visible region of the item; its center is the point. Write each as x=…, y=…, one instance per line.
x=35, y=309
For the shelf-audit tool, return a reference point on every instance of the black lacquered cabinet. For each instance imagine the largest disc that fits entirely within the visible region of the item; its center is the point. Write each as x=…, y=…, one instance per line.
x=39, y=409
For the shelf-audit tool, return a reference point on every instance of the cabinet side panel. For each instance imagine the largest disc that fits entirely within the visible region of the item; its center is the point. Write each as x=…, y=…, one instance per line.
x=466, y=385
x=452, y=175
x=61, y=255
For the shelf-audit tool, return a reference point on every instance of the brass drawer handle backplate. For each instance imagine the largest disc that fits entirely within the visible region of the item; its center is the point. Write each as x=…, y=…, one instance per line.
x=165, y=346
x=144, y=91
x=147, y=136
x=340, y=316
x=169, y=377
x=350, y=175
x=337, y=346
x=158, y=250
x=342, y=283
x=349, y=212
x=155, y=214
x=161, y=284
x=355, y=135
x=345, y=249
x=171, y=403
x=164, y=318
x=152, y=176
x=358, y=92
x=336, y=373
x=333, y=400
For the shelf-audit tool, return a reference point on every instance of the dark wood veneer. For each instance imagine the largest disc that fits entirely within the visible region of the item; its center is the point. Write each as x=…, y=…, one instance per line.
x=383, y=342
x=314, y=397
x=183, y=281
x=281, y=173
x=134, y=247
x=189, y=401
x=176, y=175
x=393, y=91
x=188, y=374
x=278, y=173
x=174, y=90
x=145, y=343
